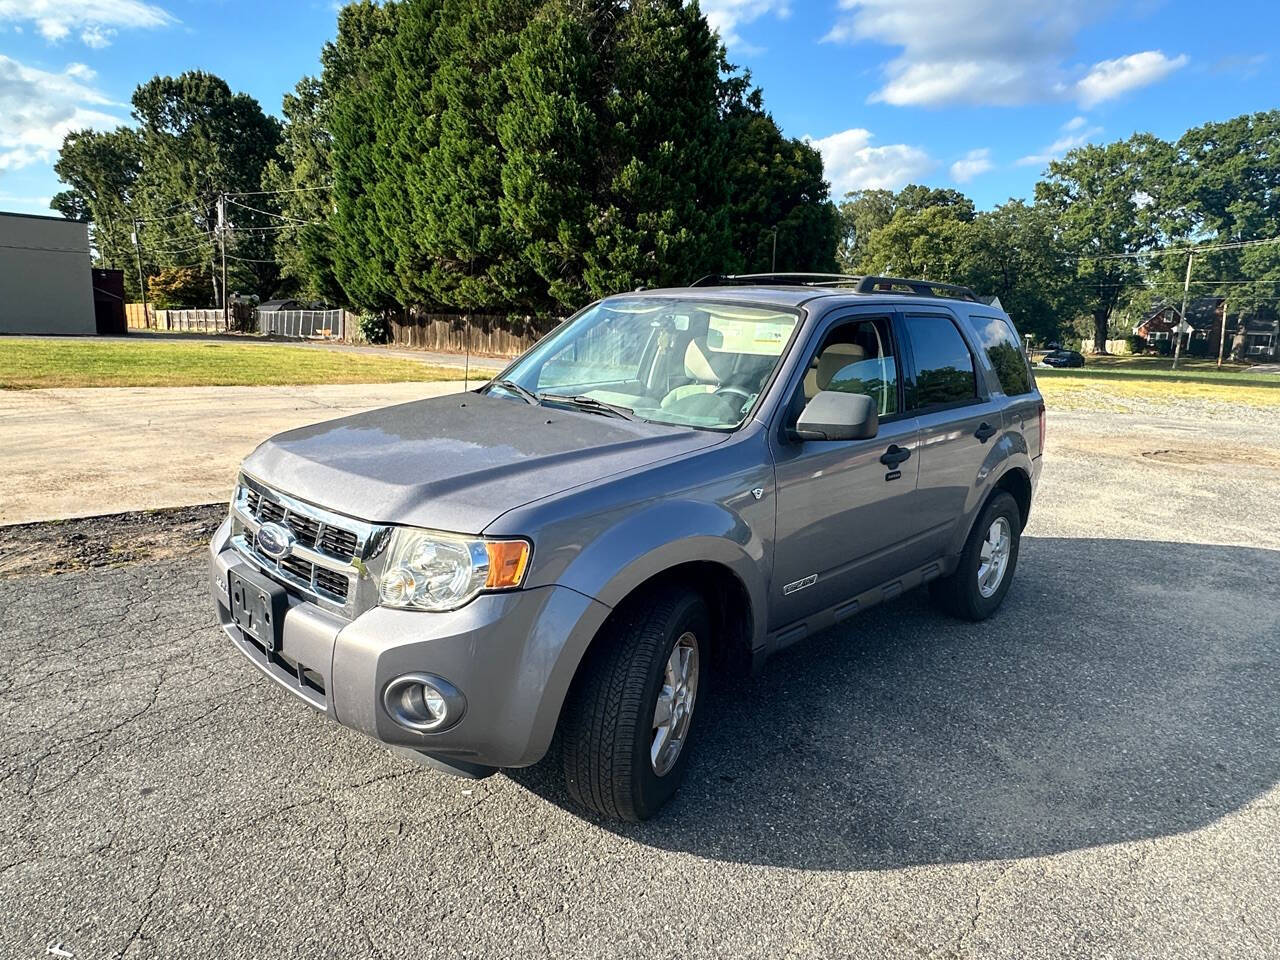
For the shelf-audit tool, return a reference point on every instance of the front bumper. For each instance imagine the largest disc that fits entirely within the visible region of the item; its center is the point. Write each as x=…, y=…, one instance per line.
x=511, y=654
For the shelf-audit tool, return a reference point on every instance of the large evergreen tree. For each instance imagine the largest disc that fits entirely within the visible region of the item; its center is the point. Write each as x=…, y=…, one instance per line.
x=780, y=211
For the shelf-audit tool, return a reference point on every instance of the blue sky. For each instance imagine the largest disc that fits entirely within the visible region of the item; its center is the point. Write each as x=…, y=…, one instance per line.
x=974, y=94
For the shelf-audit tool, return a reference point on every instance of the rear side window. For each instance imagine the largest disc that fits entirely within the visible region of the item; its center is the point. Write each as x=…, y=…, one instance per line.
x=1004, y=353
x=944, y=365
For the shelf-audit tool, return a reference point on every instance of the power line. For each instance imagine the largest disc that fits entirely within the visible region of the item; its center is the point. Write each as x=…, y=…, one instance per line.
x=250, y=260
x=265, y=193
x=268, y=213
x=1206, y=248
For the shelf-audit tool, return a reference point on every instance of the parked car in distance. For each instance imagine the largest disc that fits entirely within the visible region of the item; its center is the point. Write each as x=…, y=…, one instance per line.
x=669, y=487
x=1063, y=358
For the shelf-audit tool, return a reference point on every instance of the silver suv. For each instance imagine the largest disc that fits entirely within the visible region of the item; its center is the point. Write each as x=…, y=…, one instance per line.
x=671, y=485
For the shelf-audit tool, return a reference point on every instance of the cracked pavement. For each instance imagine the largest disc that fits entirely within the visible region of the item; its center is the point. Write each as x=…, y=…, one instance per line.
x=1091, y=773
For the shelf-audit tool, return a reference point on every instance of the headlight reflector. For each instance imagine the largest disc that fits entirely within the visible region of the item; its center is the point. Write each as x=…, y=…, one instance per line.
x=436, y=571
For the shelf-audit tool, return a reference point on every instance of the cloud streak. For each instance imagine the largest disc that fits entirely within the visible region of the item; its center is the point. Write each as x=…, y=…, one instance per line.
x=991, y=52
x=38, y=108
x=96, y=20
x=972, y=164
x=852, y=163
x=728, y=16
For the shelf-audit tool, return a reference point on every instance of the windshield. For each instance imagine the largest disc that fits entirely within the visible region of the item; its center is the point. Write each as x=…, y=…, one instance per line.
x=690, y=362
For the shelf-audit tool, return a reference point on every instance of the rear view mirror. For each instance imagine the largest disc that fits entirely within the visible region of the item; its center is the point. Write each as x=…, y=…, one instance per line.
x=832, y=415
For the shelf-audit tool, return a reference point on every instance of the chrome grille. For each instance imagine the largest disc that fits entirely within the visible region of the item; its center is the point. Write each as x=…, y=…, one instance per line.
x=326, y=561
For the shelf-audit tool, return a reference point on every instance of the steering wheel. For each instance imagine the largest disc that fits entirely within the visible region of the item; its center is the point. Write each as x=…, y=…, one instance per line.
x=746, y=395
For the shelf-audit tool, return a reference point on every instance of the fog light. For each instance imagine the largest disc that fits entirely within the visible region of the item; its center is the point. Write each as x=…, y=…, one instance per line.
x=423, y=702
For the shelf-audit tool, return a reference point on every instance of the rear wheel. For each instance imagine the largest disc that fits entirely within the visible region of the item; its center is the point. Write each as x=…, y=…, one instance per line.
x=630, y=716
x=975, y=590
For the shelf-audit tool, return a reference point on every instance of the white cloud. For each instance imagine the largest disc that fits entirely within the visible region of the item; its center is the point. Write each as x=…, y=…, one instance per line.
x=38, y=108
x=96, y=20
x=972, y=164
x=97, y=37
x=851, y=163
x=990, y=52
x=23, y=203
x=1075, y=133
x=727, y=16
x=1111, y=78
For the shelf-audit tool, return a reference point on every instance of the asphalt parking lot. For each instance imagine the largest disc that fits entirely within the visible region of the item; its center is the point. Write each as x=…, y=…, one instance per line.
x=1091, y=773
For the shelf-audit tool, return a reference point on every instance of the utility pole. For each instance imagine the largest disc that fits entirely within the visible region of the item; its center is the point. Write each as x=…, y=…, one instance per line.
x=222, y=236
x=1222, y=343
x=1182, y=320
x=142, y=281
x=774, y=267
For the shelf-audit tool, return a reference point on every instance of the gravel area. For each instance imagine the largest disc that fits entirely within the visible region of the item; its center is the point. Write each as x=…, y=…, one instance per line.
x=1091, y=773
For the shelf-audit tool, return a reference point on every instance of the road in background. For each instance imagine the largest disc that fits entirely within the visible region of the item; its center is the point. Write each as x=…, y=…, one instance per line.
x=1091, y=773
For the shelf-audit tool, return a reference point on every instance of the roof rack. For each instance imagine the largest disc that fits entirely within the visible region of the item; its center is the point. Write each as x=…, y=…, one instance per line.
x=785, y=279
x=869, y=284
x=919, y=288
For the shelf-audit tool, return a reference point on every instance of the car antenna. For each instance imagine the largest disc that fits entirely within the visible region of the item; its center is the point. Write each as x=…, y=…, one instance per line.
x=466, y=362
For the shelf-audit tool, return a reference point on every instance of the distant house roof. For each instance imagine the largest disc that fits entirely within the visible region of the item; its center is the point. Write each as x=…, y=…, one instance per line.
x=272, y=305
x=1202, y=312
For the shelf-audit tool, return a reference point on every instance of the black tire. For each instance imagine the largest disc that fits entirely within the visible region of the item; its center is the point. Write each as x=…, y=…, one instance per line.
x=607, y=724
x=958, y=594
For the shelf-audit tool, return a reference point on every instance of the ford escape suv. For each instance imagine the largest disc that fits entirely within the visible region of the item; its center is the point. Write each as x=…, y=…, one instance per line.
x=672, y=484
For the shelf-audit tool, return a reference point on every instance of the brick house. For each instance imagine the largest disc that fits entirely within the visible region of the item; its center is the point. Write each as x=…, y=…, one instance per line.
x=1202, y=330
x=1203, y=325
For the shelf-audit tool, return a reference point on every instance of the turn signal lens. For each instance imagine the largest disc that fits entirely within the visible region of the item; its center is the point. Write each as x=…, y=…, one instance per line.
x=507, y=562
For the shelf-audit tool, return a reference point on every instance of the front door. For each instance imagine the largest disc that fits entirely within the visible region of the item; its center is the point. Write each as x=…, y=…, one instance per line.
x=844, y=507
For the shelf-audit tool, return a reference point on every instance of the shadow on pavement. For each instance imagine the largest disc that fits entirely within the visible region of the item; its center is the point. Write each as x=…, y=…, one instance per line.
x=1126, y=690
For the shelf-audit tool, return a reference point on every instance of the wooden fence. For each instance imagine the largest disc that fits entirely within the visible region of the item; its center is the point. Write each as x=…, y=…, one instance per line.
x=482, y=334
x=241, y=319
x=136, y=319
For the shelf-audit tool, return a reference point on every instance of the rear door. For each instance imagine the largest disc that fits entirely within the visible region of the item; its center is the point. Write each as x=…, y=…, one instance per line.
x=959, y=420
x=843, y=513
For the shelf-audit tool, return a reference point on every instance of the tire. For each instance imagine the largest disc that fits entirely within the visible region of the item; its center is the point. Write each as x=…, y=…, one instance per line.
x=608, y=727
x=961, y=593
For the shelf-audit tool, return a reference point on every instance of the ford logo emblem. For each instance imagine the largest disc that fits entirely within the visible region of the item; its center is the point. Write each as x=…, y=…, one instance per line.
x=275, y=541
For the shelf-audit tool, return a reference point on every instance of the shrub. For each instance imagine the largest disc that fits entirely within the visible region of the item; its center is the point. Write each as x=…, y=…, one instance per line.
x=1136, y=344
x=1164, y=347
x=375, y=327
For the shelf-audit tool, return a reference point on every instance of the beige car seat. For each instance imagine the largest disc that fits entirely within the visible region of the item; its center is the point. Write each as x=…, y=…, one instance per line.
x=831, y=361
x=698, y=368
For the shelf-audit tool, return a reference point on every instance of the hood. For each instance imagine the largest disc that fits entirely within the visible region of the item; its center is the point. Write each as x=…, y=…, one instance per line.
x=459, y=462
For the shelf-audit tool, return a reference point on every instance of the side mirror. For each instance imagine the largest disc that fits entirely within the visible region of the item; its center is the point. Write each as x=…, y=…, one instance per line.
x=832, y=415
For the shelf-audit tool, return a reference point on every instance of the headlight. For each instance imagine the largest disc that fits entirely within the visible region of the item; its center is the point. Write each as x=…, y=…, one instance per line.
x=435, y=571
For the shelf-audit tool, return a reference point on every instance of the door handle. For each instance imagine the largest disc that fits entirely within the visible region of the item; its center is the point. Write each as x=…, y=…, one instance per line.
x=894, y=456
x=985, y=431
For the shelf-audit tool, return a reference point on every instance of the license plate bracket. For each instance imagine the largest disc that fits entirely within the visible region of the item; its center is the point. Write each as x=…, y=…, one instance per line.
x=258, y=606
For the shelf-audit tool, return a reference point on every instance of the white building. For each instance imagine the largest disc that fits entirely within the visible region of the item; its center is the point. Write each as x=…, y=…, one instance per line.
x=46, y=281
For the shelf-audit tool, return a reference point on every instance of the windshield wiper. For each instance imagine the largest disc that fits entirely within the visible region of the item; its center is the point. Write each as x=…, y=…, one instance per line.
x=592, y=404
x=528, y=396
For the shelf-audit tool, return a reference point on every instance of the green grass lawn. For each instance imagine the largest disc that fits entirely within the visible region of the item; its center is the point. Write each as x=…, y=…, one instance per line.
x=1194, y=369
x=28, y=363
x=1105, y=382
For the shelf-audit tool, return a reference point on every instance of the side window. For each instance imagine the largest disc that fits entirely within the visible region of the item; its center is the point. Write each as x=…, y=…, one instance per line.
x=1004, y=353
x=944, y=365
x=857, y=357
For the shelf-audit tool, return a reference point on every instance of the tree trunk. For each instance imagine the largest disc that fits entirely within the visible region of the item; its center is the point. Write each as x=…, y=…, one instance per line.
x=1237, y=345
x=1100, y=332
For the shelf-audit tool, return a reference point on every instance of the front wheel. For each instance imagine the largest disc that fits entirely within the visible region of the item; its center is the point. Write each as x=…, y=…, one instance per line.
x=975, y=590
x=629, y=718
